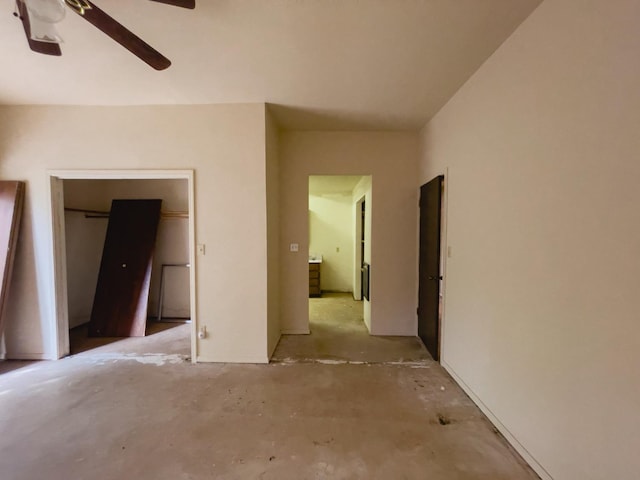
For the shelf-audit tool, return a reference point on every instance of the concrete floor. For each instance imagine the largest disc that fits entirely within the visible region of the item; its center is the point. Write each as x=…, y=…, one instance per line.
x=338, y=333
x=176, y=342
x=125, y=411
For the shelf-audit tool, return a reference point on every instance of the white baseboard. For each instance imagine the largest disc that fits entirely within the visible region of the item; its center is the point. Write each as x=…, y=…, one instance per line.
x=255, y=360
x=27, y=356
x=513, y=441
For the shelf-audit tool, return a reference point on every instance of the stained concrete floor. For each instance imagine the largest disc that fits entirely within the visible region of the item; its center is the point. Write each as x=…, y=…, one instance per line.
x=161, y=337
x=126, y=411
x=338, y=333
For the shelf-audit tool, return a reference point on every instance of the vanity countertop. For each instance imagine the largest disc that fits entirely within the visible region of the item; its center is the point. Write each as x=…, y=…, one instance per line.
x=315, y=258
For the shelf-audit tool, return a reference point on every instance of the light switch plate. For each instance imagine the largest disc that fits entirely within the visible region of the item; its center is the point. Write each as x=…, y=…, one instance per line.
x=293, y=247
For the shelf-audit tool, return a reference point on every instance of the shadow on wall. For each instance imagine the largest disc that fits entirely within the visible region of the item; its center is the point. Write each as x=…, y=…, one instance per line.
x=296, y=118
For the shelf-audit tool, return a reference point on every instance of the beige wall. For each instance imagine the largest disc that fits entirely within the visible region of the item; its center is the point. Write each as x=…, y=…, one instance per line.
x=273, y=233
x=97, y=194
x=541, y=304
x=331, y=234
x=391, y=159
x=224, y=144
x=84, y=241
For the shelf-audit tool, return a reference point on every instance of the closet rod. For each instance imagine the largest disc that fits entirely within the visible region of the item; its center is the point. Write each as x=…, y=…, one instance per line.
x=105, y=214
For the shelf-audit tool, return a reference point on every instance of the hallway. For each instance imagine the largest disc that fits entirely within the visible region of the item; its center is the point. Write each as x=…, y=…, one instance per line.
x=338, y=333
x=123, y=411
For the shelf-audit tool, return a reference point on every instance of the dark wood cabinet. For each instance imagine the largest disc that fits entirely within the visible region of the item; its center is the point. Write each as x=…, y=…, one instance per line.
x=314, y=280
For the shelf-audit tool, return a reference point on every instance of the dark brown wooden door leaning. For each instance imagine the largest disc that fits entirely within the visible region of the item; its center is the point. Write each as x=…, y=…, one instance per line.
x=11, y=200
x=122, y=292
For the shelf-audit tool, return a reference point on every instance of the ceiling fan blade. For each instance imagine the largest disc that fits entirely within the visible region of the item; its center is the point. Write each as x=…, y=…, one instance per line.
x=179, y=3
x=109, y=26
x=46, y=48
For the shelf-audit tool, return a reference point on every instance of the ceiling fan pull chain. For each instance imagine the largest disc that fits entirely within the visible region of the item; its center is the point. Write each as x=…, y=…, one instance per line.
x=79, y=6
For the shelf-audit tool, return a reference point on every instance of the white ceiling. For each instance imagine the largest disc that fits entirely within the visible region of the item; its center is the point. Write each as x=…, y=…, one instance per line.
x=332, y=184
x=325, y=64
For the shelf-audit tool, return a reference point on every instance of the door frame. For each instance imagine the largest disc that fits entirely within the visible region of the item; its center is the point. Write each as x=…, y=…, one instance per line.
x=444, y=255
x=60, y=326
x=358, y=256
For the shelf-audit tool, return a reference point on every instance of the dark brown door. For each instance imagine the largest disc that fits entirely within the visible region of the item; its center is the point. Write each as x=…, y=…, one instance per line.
x=429, y=265
x=11, y=199
x=122, y=293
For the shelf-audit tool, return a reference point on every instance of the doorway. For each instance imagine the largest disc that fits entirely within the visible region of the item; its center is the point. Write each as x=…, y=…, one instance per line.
x=81, y=231
x=338, y=245
x=340, y=323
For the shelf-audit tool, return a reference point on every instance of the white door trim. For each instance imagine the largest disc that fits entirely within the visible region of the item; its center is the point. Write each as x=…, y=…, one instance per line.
x=358, y=257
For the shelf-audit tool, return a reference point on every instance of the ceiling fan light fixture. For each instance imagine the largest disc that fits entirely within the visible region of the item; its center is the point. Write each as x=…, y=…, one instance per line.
x=39, y=19
x=44, y=32
x=43, y=15
x=47, y=11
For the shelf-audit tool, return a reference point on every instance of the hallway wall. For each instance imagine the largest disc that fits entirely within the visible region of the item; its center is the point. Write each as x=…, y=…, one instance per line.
x=541, y=301
x=331, y=229
x=391, y=158
x=272, y=149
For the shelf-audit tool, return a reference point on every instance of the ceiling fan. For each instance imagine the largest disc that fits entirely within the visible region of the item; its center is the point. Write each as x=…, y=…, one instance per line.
x=39, y=18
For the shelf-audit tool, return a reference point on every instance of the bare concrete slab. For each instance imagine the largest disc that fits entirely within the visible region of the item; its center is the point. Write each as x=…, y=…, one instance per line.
x=347, y=407
x=84, y=418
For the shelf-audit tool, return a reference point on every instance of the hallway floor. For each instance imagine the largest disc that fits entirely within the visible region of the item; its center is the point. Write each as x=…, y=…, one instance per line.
x=338, y=333
x=126, y=411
